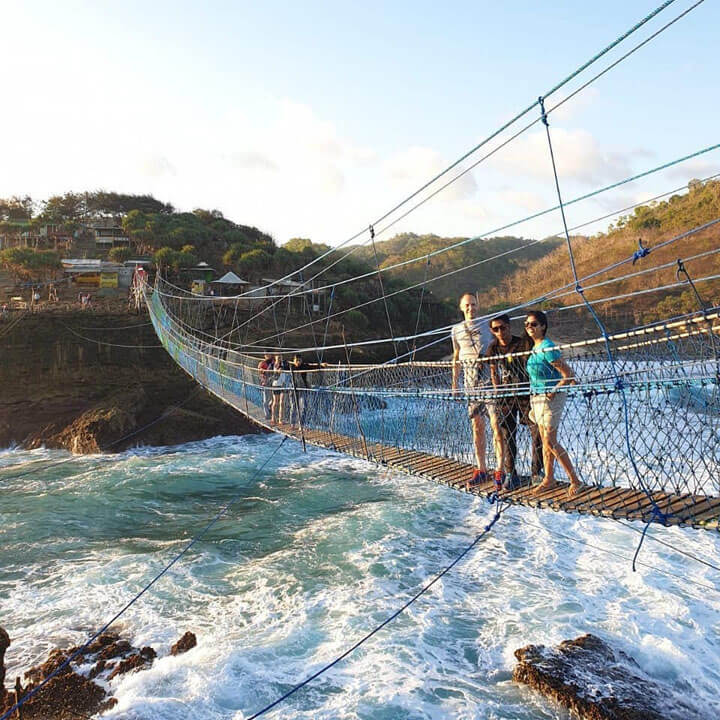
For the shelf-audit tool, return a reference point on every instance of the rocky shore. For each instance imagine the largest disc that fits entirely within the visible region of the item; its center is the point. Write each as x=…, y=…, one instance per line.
x=100, y=382
x=597, y=682
x=83, y=687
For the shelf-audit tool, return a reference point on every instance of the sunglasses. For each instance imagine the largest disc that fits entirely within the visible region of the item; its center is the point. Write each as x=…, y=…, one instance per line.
x=532, y=324
x=497, y=328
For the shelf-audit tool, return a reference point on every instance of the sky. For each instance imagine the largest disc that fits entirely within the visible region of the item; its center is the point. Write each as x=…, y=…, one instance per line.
x=314, y=119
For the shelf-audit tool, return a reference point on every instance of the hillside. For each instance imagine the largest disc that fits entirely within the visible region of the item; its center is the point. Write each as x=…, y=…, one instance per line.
x=473, y=255
x=653, y=223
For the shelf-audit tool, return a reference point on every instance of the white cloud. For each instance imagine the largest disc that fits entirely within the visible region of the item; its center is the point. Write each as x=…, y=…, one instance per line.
x=578, y=156
x=251, y=160
x=156, y=166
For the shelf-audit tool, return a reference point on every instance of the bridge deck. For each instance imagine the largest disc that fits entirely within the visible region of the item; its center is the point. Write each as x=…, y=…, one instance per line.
x=613, y=502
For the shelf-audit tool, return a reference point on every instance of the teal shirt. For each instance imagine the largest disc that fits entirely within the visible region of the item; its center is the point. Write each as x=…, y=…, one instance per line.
x=543, y=376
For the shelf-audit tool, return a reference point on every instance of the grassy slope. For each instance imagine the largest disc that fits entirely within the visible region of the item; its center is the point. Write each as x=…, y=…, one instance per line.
x=653, y=223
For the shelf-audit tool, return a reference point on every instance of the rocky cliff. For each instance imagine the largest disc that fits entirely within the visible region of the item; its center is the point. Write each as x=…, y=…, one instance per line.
x=92, y=382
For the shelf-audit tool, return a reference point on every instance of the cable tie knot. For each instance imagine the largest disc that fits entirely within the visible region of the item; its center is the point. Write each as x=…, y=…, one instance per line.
x=680, y=269
x=619, y=384
x=543, y=114
x=659, y=514
x=641, y=252
x=579, y=289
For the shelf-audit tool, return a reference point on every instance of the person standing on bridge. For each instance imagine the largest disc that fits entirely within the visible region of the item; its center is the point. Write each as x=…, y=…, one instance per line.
x=470, y=340
x=508, y=371
x=548, y=372
x=265, y=367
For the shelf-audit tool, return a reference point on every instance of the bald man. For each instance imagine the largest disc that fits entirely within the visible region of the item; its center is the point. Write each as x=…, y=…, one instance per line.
x=470, y=339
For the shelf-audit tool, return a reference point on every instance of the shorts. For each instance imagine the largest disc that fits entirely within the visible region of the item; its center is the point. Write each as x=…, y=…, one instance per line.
x=476, y=409
x=546, y=411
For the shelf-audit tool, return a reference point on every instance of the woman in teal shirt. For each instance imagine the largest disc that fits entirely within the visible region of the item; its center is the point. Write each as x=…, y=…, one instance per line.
x=548, y=372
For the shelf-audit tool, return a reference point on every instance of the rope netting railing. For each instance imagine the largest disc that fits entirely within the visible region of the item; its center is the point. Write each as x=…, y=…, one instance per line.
x=661, y=396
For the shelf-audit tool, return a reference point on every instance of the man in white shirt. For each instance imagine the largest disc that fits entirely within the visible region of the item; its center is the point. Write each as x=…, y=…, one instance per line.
x=470, y=340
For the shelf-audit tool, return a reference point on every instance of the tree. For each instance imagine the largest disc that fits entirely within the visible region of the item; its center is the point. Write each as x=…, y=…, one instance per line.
x=255, y=261
x=16, y=208
x=120, y=254
x=29, y=264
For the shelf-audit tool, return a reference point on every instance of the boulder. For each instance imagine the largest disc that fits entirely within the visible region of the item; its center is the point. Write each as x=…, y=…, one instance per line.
x=185, y=643
x=598, y=682
x=71, y=694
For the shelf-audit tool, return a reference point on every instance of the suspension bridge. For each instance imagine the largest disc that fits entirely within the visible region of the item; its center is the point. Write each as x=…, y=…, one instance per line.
x=642, y=423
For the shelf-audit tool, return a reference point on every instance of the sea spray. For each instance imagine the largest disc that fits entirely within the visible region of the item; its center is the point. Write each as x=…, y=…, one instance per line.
x=314, y=553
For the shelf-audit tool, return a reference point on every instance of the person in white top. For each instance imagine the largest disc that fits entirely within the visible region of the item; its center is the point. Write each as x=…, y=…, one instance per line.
x=470, y=340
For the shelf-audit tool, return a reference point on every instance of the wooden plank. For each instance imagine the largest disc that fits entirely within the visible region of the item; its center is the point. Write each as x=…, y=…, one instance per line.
x=702, y=505
x=615, y=502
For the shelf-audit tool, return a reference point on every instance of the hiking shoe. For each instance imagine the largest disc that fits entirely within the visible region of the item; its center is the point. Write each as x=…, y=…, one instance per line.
x=478, y=478
x=513, y=482
x=499, y=480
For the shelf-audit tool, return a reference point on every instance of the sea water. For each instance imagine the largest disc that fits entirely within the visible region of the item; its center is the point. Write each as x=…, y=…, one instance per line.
x=315, y=551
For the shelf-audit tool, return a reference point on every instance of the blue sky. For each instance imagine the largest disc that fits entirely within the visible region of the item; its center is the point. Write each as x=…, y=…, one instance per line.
x=311, y=119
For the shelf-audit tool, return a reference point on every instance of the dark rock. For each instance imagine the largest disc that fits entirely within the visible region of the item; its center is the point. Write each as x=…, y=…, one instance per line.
x=114, y=649
x=4, y=645
x=101, y=425
x=137, y=661
x=185, y=643
x=69, y=695
x=64, y=697
x=55, y=659
x=100, y=666
x=100, y=642
x=597, y=682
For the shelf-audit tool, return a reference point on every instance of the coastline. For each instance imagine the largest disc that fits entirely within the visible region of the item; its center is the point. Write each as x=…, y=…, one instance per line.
x=100, y=382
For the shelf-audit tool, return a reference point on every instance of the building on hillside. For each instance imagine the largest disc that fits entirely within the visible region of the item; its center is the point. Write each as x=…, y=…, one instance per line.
x=97, y=273
x=109, y=233
x=57, y=237
x=229, y=284
x=297, y=292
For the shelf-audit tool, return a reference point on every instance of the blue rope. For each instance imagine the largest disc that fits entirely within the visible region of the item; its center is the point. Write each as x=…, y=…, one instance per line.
x=652, y=519
x=641, y=252
x=131, y=602
x=385, y=622
x=657, y=514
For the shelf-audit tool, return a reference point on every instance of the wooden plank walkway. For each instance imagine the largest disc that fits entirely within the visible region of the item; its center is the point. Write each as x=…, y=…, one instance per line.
x=612, y=502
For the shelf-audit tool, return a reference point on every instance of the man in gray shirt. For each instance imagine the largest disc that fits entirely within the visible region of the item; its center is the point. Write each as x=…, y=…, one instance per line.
x=470, y=340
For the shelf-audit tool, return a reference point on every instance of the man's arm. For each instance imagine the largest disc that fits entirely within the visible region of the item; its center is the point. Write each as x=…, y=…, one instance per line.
x=455, y=365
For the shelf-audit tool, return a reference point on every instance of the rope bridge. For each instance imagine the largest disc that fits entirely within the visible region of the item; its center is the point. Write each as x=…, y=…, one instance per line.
x=659, y=396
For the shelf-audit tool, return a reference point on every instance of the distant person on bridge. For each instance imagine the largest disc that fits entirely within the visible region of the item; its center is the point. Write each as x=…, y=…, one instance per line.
x=470, y=340
x=265, y=367
x=281, y=387
x=548, y=372
x=508, y=372
x=300, y=368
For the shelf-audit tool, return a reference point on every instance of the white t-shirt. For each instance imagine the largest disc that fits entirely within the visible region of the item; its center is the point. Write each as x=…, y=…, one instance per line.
x=471, y=338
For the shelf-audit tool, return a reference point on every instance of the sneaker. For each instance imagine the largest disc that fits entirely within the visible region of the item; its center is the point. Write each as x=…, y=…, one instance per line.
x=499, y=480
x=478, y=478
x=513, y=482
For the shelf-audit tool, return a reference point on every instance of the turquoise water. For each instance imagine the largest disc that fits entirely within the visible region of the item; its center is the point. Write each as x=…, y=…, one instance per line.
x=314, y=553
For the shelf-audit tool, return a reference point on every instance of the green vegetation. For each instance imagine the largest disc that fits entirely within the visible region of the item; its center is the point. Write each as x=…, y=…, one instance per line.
x=32, y=265
x=481, y=274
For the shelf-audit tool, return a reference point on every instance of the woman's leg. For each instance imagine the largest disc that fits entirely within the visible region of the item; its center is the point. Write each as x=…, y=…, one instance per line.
x=564, y=459
x=549, y=481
